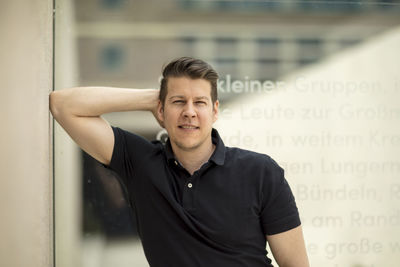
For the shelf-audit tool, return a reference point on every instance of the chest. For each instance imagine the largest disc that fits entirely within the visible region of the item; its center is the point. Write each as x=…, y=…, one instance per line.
x=221, y=203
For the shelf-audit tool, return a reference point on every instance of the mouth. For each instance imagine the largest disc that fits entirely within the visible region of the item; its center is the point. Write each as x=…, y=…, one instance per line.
x=188, y=127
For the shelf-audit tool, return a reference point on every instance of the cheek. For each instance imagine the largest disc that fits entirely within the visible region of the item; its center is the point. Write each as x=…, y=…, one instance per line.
x=207, y=117
x=170, y=116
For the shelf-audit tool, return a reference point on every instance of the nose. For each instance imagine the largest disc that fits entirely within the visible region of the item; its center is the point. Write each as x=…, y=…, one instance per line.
x=189, y=110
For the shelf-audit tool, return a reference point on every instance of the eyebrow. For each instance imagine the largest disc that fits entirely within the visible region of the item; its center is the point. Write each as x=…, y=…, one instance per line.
x=201, y=97
x=176, y=96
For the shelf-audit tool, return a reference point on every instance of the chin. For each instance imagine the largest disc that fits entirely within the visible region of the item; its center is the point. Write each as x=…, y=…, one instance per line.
x=187, y=145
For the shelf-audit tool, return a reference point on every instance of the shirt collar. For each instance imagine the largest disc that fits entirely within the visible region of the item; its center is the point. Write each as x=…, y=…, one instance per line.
x=218, y=156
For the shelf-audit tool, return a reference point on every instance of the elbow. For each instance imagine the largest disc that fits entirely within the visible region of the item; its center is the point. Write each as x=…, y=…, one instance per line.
x=55, y=103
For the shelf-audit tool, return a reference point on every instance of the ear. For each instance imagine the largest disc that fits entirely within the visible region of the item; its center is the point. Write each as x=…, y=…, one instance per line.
x=215, y=111
x=160, y=114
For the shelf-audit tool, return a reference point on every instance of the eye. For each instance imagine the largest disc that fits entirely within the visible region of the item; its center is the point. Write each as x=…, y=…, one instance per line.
x=201, y=103
x=178, y=102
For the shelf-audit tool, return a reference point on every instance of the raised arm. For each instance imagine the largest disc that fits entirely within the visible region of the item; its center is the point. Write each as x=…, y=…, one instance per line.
x=78, y=110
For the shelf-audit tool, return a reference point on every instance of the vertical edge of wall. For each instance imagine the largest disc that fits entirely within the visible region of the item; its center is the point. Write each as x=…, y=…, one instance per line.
x=67, y=155
x=26, y=184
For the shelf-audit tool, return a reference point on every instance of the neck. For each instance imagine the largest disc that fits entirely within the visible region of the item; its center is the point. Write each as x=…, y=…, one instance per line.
x=192, y=160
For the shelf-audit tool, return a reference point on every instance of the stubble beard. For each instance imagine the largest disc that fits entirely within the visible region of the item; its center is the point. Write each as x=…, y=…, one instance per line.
x=191, y=147
x=184, y=147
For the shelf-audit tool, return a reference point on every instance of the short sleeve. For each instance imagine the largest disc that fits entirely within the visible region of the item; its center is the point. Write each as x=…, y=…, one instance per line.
x=279, y=211
x=128, y=151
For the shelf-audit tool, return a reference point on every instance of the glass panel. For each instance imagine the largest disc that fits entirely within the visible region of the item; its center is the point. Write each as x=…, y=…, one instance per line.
x=313, y=84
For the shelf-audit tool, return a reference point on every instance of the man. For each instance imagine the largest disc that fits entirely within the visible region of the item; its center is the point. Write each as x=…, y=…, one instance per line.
x=197, y=202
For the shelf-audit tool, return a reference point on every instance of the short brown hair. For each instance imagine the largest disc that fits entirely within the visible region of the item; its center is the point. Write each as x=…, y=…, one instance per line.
x=192, y=68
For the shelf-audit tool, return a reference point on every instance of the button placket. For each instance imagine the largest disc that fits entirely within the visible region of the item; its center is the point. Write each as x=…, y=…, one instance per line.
x=188, y=194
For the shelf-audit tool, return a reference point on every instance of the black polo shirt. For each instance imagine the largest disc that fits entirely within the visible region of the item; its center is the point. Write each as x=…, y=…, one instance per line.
x=219, y=216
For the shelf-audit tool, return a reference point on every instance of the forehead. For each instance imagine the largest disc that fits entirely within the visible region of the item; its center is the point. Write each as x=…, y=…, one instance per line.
x=188, y=87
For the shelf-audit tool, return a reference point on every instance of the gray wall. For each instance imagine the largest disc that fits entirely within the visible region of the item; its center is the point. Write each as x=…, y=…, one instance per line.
x=26, y=228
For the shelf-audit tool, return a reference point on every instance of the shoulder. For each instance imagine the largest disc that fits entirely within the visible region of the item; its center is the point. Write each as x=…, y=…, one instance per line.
x=256, y=167
x=255, y=159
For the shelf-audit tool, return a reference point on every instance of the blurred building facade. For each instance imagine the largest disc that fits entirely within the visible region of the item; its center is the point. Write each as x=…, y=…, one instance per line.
x=126, y=42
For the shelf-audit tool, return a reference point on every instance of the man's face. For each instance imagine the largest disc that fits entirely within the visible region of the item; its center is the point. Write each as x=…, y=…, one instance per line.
x=188, y=113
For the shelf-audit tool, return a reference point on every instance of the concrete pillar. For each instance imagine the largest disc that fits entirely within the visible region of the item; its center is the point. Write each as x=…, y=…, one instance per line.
x=26, y=189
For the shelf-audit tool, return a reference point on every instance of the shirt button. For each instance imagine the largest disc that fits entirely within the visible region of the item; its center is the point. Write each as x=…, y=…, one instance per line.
x=176, y=163
x=190, y=185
